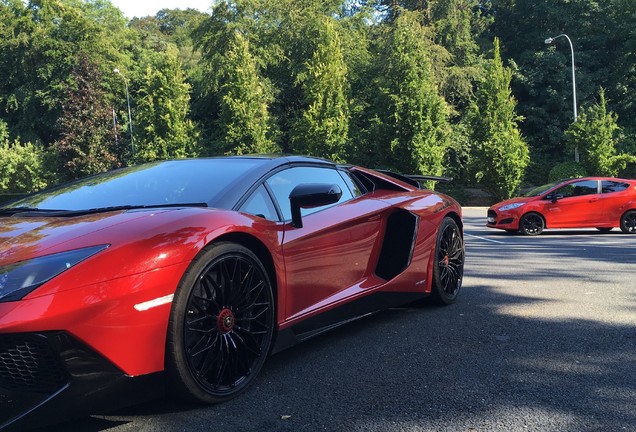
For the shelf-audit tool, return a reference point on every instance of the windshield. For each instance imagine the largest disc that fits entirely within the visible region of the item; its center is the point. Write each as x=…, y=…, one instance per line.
x=541, y=189
x=159, y=183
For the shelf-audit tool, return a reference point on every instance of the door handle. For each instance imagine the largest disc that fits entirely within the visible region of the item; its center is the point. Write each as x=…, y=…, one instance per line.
x=593, y=199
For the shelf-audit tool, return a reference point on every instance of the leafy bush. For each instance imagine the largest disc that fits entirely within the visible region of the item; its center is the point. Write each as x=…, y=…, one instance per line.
x=566, y=170
x=21, y=167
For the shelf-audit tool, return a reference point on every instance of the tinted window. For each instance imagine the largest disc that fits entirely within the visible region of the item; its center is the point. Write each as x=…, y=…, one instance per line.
x=353, y=185
x=159, y=183
x=609, y=186
x=579, y=188
x=539, y=190
x=283, y=182
x=260, y=204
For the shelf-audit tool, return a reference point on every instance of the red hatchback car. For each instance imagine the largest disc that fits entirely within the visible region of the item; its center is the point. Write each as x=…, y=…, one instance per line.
x=591, y=202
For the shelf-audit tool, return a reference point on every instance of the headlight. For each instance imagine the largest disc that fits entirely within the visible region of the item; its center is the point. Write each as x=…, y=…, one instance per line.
x=511, y=206
x=19, y=279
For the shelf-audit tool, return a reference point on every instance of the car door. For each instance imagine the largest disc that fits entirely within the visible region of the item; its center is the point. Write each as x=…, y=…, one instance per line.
x=330, y=257
x=577, y=204
x=615, y=196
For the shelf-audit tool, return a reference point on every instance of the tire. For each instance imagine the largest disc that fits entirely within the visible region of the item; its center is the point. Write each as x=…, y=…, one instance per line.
x=221, y=325
x=604, y=230
x=531, y=224
x=628, y=222
x=448, y=268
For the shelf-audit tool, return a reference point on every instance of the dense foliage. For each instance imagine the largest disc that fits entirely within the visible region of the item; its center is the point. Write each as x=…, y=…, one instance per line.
x=500, y=153
x=416, y=86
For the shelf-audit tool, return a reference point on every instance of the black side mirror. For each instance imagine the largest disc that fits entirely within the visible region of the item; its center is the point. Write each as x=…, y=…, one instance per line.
x=310, y=195
x=554, y=197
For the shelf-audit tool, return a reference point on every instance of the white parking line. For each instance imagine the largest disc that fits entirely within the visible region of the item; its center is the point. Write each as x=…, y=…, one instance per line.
x=483, y=238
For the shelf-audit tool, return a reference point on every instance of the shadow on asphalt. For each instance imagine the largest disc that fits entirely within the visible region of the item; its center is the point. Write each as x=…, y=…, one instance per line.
x=463, y=367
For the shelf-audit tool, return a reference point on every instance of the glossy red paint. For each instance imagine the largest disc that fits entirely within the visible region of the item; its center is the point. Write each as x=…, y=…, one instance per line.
x=95, y=301
x=590, y=202
x=118, y=302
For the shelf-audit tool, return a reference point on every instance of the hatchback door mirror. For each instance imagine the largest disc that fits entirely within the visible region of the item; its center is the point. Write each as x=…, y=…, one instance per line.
x=554, y=197
x=311, y=195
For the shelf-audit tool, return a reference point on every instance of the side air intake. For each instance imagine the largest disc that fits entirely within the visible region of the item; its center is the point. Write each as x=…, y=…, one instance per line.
x=397, y=248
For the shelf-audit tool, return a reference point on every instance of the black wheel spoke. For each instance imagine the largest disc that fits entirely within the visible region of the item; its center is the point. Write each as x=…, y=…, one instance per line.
x=249, y=341
x=205, y=348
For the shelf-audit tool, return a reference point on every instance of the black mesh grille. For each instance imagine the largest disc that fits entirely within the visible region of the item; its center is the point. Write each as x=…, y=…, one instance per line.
x=27, y=363
x=491, y=213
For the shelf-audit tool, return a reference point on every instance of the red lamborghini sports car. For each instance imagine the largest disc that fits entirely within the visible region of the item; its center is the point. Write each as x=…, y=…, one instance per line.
x=193, y=271
x=592, y=202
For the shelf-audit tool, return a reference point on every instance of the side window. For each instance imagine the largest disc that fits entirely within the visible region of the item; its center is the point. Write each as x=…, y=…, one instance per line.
x=281, y=184
x=585, y=187
x=609, y=186
x=260, y=204
x=353, y=185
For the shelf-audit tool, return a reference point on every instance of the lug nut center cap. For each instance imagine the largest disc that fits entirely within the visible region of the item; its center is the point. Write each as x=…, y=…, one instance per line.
x=225, y=322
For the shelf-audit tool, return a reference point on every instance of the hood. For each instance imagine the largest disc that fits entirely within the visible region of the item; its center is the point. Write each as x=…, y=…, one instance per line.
x=24, y=238
x=512, y=201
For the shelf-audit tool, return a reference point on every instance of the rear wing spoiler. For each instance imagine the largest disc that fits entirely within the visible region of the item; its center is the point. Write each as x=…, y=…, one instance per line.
x=415, y=179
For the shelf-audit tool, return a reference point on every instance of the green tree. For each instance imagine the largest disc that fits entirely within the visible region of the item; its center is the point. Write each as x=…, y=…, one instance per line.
x=413, y=117
x=244, y=124
x=163, y=128
x=500, y=154
x=39, y=41
x=543, y=83
x=323, y=126
x=88, y=142
x=458, y=26
x=171, y=27
x=22, y=167
x=595, y=135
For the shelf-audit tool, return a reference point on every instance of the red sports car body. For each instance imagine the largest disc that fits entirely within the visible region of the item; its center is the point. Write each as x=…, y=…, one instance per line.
x=192, y=271
x=592, y=202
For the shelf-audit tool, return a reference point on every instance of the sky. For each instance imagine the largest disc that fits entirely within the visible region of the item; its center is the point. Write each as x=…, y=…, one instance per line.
x=141, y=8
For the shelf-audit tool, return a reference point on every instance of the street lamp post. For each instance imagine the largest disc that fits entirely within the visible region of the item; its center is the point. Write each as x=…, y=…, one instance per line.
x=132, y=141
x=549, y=41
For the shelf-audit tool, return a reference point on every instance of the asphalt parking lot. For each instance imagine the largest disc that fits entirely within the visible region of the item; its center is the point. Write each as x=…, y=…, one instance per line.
x=543, y=338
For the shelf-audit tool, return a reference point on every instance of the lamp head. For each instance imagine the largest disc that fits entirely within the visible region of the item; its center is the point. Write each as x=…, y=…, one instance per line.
x=549, y=40
x=116, y=70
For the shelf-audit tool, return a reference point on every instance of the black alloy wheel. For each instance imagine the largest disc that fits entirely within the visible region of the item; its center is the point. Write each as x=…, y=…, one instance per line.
x=448, y=270
x=221, y=325
x=628, y=222
x=531, y=224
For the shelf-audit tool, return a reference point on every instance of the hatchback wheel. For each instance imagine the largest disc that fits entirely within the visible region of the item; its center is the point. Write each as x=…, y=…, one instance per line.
x=628, y=222
x=531, y=224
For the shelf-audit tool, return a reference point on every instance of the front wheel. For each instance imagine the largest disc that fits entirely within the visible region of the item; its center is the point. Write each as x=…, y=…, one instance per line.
x=448, y=270
x=221, y=325
x=531, y=224
x=628, y=222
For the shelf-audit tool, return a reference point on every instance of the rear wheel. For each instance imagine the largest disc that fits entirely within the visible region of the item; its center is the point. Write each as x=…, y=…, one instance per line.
x=221, y=325
x=448, y=270
x=531, y=224
x=628, y=222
